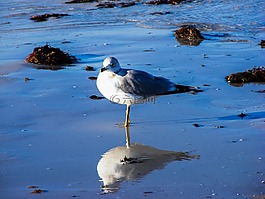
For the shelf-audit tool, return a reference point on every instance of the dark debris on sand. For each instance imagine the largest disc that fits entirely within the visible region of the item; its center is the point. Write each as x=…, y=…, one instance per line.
x=33, y=186
x=161, y=13
x=259, y=91
x=242, y=115
x=188, y=35
x=47, y=55
x=106, y=4
x=80, y=1
x=123, y=4
x=26, y=79
x=45, y=17
x=113, y=4
x=90, y=68
x=92, y=78
x=262, y=43
x=196, y=125
x=36, y=190
x=159, y=2
x=252, y=75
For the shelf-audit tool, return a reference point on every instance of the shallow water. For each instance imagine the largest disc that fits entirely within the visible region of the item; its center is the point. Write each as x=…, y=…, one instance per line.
x=53, y=136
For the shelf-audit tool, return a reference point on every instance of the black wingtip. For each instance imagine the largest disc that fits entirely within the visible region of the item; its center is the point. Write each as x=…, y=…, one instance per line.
x=187, y=89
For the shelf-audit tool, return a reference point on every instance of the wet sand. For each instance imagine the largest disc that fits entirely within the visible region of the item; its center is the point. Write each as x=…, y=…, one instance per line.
x=53, y=135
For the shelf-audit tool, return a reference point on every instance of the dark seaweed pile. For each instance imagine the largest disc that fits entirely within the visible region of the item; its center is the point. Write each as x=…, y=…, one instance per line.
x=47, y=55
x=252, y=75
x=188, y=35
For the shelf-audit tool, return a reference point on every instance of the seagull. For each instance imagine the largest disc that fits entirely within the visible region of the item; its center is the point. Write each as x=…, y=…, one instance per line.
x=129, y=86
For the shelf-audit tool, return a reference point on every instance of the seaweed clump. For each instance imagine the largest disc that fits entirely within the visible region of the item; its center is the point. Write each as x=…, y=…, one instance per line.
x=252, y=75
x=188, y=35
x=45, y=17
x=47, y=55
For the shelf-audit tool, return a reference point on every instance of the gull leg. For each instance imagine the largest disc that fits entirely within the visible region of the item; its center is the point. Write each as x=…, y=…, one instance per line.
x=127, y=120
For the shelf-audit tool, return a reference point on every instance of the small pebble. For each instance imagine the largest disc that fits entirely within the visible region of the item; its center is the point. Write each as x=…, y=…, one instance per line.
x=27, y=79
x=89, y=68
x=219, y=127
x=37, y=191
x=92, y=78
x=196, y=125
x=33, y=187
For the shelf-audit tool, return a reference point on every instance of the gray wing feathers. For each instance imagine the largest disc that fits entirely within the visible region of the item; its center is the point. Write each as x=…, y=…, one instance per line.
x=142, y=83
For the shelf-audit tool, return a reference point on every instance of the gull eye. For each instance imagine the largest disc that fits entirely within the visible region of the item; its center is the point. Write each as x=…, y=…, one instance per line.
x=112, y=65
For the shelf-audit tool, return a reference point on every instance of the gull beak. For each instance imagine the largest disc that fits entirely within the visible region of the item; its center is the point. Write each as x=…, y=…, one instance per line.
x=103, y=69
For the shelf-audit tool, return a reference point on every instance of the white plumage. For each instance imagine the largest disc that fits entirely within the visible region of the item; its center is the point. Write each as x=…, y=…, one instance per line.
x=128, y=86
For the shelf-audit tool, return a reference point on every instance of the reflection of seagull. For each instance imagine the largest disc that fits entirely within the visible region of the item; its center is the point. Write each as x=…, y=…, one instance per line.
x=133, y=162
x=128, y=86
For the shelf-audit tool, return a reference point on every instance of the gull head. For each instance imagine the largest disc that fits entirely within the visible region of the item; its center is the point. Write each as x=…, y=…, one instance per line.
x=111, y=64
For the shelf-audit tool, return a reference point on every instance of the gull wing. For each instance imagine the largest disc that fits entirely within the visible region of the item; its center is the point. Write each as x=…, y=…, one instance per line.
x=144, y=84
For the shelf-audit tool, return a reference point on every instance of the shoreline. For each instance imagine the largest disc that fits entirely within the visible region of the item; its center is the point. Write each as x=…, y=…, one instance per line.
x=53, y=135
